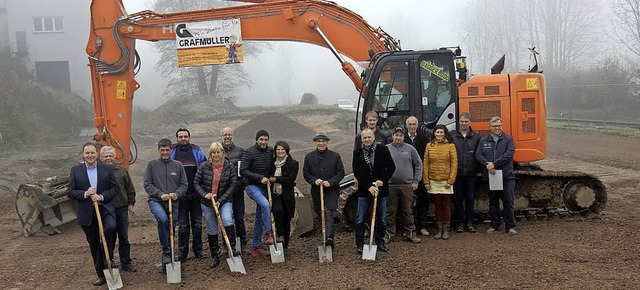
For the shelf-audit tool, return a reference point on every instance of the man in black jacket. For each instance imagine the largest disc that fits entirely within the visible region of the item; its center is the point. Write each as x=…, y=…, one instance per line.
x=255, y=168
x=233, y=153
x=323, y=167
x=418, y=141
x=464, y=188
x=372, y=168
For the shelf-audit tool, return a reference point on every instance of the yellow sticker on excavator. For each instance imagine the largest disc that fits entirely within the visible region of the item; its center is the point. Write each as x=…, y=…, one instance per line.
x=432, y=68
x=121, y=90
x=532, y=83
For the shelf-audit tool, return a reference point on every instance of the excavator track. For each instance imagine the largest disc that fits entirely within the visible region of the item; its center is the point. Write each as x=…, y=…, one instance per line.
x=539, y=195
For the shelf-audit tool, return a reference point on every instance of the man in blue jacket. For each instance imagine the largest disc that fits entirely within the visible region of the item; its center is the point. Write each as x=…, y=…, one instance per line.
x=190, y=215
x=495, y=152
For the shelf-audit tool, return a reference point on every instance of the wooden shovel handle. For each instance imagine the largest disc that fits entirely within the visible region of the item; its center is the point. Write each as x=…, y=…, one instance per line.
x=102, y=238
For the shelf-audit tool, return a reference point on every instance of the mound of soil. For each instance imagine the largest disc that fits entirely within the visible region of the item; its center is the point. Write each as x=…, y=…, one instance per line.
x=279, y=126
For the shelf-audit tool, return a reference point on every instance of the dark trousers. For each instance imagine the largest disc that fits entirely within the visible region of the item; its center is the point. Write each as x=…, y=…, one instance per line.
x=238, y=216
x=365, y=205
x=92, y=234
x=464, y=190
x=507, y=197
x=399, y=208
x=283, y=224
x=122, y=224
x=330, y=205
x=422, y=207
x=189, y=221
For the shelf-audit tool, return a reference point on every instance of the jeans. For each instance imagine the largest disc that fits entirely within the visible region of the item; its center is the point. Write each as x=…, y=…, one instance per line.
x=238, y=216
x=464, y=190
x=364, y=206
x=189, y=221
x=122, y=224
x=211, y=220
x=160, y=210
x=507, y=197
x=263, y=214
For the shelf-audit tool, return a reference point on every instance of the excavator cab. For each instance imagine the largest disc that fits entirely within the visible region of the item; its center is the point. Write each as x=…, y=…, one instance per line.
x=412, y=83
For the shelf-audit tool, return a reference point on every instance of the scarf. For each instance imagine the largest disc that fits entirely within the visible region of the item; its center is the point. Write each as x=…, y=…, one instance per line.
x=277, y=187
x=368, y=155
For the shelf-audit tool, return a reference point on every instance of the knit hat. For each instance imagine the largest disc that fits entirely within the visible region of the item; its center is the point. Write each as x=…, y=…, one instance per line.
x=262, y=133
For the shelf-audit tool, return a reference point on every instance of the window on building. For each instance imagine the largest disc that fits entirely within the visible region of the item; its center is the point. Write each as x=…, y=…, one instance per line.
x=48, y=24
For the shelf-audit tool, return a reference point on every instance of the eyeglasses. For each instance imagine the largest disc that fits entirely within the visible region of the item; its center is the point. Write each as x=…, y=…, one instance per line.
x=496, y=126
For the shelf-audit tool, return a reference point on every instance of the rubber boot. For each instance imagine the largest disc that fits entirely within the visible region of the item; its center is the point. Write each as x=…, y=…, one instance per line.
x=213, y=246
x=231, y=234
x=445, y=231
x=439, y=234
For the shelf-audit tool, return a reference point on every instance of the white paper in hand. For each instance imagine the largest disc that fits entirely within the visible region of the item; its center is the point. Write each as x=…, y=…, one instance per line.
x=495, y=181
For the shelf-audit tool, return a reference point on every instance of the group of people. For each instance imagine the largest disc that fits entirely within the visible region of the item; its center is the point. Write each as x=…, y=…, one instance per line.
x=398, y=169
x=404, y=169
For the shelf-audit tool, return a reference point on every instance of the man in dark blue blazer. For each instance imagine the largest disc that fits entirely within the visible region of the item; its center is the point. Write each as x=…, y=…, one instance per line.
x=89, y=182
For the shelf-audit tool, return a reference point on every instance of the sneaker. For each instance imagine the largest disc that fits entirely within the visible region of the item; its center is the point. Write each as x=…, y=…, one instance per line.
x=260, y=252
x=471, y=228
x=512, y=231
x=424, y=232
x=387, y=238
x=491, y=231
x=329, y=242
x=411, y=236
x=129, y=268
x=268, y=239
x=200, y=255
x=166, y=258
x=460, y=229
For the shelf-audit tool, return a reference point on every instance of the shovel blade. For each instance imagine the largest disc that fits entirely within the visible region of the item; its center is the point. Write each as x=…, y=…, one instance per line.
x=277, y=253
x=369, y=252
x=235, y=265
x=238, y=245
x=325, y=254
x=174, y=274
x=114, y=281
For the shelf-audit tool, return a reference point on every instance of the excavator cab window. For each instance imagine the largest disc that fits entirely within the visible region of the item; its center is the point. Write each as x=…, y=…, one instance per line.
x=437, y=87
x=391, y=99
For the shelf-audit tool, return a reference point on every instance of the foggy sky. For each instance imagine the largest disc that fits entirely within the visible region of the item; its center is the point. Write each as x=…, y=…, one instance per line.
x=425, y=25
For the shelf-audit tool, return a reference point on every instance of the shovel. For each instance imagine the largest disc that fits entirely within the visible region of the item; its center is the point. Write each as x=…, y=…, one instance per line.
x=110, y=274
x=174, y=274
x=235, y=263
x=276, y=250
x=369, y=251
x=325, y=253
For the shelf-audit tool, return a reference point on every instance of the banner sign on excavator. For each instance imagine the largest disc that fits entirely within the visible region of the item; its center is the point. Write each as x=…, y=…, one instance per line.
x=209, y=42
x=432, y=68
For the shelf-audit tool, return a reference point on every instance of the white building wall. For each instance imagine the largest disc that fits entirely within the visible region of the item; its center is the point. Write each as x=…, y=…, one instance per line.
x=68, y=45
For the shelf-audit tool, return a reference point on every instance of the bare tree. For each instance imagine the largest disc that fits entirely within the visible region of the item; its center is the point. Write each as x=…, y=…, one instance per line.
x=626, y=20
x=220, y=81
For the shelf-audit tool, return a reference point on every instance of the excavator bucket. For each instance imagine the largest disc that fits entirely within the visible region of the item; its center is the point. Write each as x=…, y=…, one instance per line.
x=302, y=221
x=42, y=206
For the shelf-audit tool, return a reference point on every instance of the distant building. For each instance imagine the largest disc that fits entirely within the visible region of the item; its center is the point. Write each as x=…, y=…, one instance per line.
x=49, y=38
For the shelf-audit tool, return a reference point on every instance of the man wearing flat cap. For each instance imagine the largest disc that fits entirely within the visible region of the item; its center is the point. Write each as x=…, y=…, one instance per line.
x=323, y=167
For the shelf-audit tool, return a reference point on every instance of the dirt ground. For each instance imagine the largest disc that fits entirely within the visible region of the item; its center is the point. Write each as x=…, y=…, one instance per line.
x=600, y=253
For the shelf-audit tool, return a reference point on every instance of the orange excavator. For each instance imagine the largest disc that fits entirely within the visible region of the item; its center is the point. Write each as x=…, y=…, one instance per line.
x=431, y=85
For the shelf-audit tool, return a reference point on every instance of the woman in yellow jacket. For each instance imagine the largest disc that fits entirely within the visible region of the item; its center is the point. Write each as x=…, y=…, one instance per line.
x=440, y=165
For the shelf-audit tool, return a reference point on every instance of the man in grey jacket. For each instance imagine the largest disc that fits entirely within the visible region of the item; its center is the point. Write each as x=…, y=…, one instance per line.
x=404, y=181
x=164, y=179
x=323, y=167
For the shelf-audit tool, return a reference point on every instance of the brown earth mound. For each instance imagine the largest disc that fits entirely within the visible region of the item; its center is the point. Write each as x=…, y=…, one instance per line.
x=278, y=125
